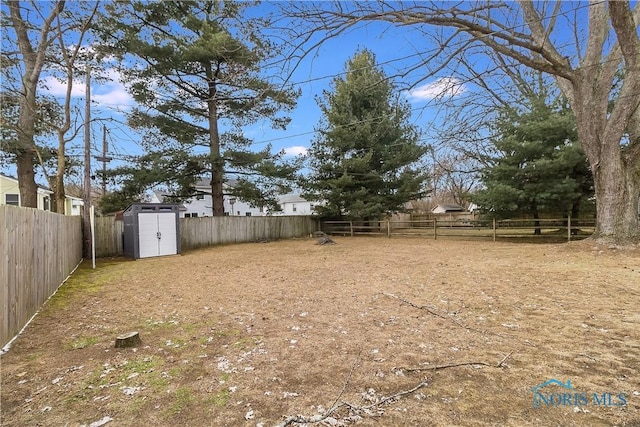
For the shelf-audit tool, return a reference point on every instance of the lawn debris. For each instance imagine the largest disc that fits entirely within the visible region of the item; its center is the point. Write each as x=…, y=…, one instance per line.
x=326, y=240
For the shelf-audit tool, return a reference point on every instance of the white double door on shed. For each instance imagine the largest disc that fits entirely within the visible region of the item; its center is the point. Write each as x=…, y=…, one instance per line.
x=157, y=234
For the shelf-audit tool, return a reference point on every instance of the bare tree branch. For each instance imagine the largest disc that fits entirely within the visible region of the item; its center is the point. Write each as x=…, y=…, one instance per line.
x=500, y=364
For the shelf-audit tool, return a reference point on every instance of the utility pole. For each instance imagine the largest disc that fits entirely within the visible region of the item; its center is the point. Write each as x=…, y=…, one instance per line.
x=86, y=221
x=104, y=159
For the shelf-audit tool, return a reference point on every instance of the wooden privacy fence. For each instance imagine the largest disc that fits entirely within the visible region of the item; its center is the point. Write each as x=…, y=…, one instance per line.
x=38, y=251
x=550, y=229
x=209, y=231
x=108, y=236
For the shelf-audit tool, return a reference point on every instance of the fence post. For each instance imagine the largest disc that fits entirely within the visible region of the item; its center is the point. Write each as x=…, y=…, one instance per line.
x=435, y=229
x=569, y=228
x=388, y=228
x=494, y=229
x=351, y=228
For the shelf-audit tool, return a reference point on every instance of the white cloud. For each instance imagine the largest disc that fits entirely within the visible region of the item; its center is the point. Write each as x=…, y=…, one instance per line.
x=110, y=93
x=443, y=87
x=55, y=87
x=115, y=96
x=296, y=150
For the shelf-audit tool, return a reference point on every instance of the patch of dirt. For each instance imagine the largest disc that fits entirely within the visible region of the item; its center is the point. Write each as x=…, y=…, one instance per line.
x=255, y=334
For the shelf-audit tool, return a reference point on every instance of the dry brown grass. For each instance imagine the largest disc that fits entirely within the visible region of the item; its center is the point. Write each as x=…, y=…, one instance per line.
x=267, y=331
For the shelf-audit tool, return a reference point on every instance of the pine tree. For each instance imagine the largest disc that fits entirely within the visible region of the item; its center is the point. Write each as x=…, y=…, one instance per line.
x=541, y=168
x=198, y=70
x=365, y=160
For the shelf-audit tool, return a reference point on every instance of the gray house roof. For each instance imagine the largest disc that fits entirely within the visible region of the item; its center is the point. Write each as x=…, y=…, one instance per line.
x=204, y=185
x=291, y=198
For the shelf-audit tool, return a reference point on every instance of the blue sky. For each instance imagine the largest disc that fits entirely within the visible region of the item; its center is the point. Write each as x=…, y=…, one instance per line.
x=397, y=49
x=314, y=74
x=389, y=45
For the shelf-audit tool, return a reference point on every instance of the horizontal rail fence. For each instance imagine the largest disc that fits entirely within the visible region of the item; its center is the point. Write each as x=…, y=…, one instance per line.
x=38, y=251
x=549, y=229
x=209, y=231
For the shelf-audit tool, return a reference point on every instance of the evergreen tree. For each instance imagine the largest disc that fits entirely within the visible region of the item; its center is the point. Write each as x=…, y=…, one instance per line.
x=198, y=69
x=541, y=168
x=364, y=162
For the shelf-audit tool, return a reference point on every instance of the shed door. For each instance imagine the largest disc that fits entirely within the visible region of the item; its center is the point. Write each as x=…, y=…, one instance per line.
x=167, y=244
x=157, y=234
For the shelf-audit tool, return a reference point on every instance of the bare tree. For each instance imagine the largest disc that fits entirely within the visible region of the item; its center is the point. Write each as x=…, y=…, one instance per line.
x=69, y=54
x=33, y=44
x=55, y=48
x=598, y=71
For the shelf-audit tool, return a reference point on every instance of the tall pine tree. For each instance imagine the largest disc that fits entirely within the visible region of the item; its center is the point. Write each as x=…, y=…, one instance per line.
x=198, y=69
x=365, y=161
x=541, y=166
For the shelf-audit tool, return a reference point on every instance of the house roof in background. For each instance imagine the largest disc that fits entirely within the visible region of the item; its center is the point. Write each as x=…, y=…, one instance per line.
x=291, y=198
x=159, y=194
x=204, y=185
x=40, y=187
x=449, y=208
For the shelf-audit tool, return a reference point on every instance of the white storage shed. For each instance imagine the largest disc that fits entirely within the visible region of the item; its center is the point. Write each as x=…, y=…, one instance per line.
x=151, y=229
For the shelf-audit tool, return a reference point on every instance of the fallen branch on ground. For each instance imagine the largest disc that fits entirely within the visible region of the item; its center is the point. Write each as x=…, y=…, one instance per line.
x=454, y=365
x=354, y=409
x=325, y=241
x=333, y=408
x=346, y=383
x=432, y=310
x=421, y=307
x=367, y=410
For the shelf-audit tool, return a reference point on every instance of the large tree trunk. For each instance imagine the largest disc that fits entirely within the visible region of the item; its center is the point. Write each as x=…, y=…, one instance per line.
x=33, y=61
x=59, y=195
x=616, y=173
x=215, y=158
x=617, y=188
x=26, y=180
x=26, y=153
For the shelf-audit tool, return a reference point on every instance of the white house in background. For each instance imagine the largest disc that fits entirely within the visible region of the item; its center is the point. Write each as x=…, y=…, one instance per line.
x=293, y=204
x=202, y=205
x=73, y=205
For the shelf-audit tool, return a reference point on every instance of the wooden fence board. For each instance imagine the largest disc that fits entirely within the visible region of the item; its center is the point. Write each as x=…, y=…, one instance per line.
x=4, y=275
x=108, y=236
x=210, y=231
x=38, y=250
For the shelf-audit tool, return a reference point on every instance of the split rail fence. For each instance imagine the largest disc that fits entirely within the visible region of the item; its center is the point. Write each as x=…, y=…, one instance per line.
x=38, y=251
x=549, y=229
